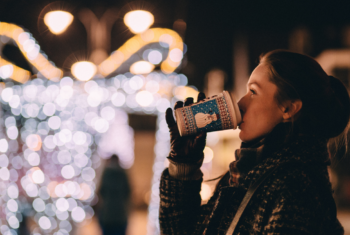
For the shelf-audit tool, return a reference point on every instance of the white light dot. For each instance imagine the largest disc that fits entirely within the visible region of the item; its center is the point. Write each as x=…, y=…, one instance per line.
x=44, y=222
x=12, y=132
x=12, y=205
x=3, y=145
x=66, y=92
x=88, y=174
x=152, y=86
x=67, y=172
x=38, y=177
x=66, y=225
x=62, y=215
x=6, y=71
x=101, y=125
x=49, y=143
x=54, y=122
x=78, y=214
x=65, y=135
x=136, y=82
x=4, y=173
x=72, y=204
x=81, y=160
x=13, y=222
x=162, y=105
x=57, y=141
x=79, y=138
x=155, y=57
x=95, y=98
x=176, y=55
x=31, y=190
x=39, y=205
x=66, y=81
x=34, y=159
x=14, y=101
x=12, y=191
x=118, y=99
x=144, y=98
x=72, y=187
x=64, y=157
x=62, y=204
x=61, y=190
x=108, y=113
x=10, y=121
x=7, y=94
x=44, y=193
x=49, y=109
x=4, y=161
x=83, y=70
x=32, y=110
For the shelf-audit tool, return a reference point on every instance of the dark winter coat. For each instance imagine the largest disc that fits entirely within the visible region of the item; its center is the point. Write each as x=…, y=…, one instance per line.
x=295, y=199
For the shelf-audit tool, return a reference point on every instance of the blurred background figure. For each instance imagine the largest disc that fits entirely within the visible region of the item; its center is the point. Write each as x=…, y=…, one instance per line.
x=114, y=199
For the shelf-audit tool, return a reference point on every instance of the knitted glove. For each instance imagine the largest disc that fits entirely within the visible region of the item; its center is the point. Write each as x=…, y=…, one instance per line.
x=186, y=149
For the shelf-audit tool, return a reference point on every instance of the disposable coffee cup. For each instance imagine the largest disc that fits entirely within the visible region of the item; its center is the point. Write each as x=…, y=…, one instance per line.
x=219, y=112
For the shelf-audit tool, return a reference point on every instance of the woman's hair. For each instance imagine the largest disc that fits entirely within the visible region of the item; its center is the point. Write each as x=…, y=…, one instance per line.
x=325, y=100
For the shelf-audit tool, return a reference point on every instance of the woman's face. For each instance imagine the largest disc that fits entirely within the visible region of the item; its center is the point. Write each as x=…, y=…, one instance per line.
x=260, y=111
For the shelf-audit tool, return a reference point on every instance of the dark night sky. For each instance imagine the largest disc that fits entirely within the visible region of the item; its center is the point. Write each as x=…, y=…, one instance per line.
x=211, y=27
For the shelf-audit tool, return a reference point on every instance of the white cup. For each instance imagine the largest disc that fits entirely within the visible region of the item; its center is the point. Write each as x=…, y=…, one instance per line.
x=219, y=112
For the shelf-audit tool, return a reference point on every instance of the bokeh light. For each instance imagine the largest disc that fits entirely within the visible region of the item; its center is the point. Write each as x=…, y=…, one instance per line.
x=141, y=67
x=58, y=21
x=138, y=21
x=55, y=134
x=83, y=70
x=208, y=154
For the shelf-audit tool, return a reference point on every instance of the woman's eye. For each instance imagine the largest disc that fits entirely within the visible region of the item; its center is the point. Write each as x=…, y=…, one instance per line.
x=252, y=92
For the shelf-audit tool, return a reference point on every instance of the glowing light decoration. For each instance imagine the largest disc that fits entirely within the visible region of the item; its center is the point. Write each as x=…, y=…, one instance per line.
x=64, y=142
x=68, y=126
x=141, y=67
x=31, y=51
x=83, y=70
x=166, y=37
x=58, y=21
x=138, y=21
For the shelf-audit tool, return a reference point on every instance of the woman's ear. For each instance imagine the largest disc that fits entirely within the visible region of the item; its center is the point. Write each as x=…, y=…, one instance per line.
x=291, y=109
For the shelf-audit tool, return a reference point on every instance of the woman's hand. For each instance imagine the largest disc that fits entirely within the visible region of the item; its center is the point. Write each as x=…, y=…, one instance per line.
x=186, y=149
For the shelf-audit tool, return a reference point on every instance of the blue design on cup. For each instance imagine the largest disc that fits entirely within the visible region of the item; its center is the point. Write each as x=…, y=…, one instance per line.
x=207, y=116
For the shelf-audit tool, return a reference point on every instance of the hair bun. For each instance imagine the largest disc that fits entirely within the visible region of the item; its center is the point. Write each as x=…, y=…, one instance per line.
x=338, y=109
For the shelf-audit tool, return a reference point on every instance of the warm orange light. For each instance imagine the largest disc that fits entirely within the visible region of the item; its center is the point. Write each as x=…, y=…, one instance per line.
x=165, y=36
x=58, y=21
x=138, y=21
x=182, y=92
x=34, y=142
x=30, y=51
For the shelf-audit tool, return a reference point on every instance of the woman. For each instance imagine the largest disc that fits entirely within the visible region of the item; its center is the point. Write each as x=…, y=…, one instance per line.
x=291, y=111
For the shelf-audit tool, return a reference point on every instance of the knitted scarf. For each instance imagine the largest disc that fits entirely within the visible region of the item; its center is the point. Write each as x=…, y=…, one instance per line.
x=276, y=148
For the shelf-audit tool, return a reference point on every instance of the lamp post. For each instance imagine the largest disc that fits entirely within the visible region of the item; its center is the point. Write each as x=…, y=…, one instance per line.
x=98, y=31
